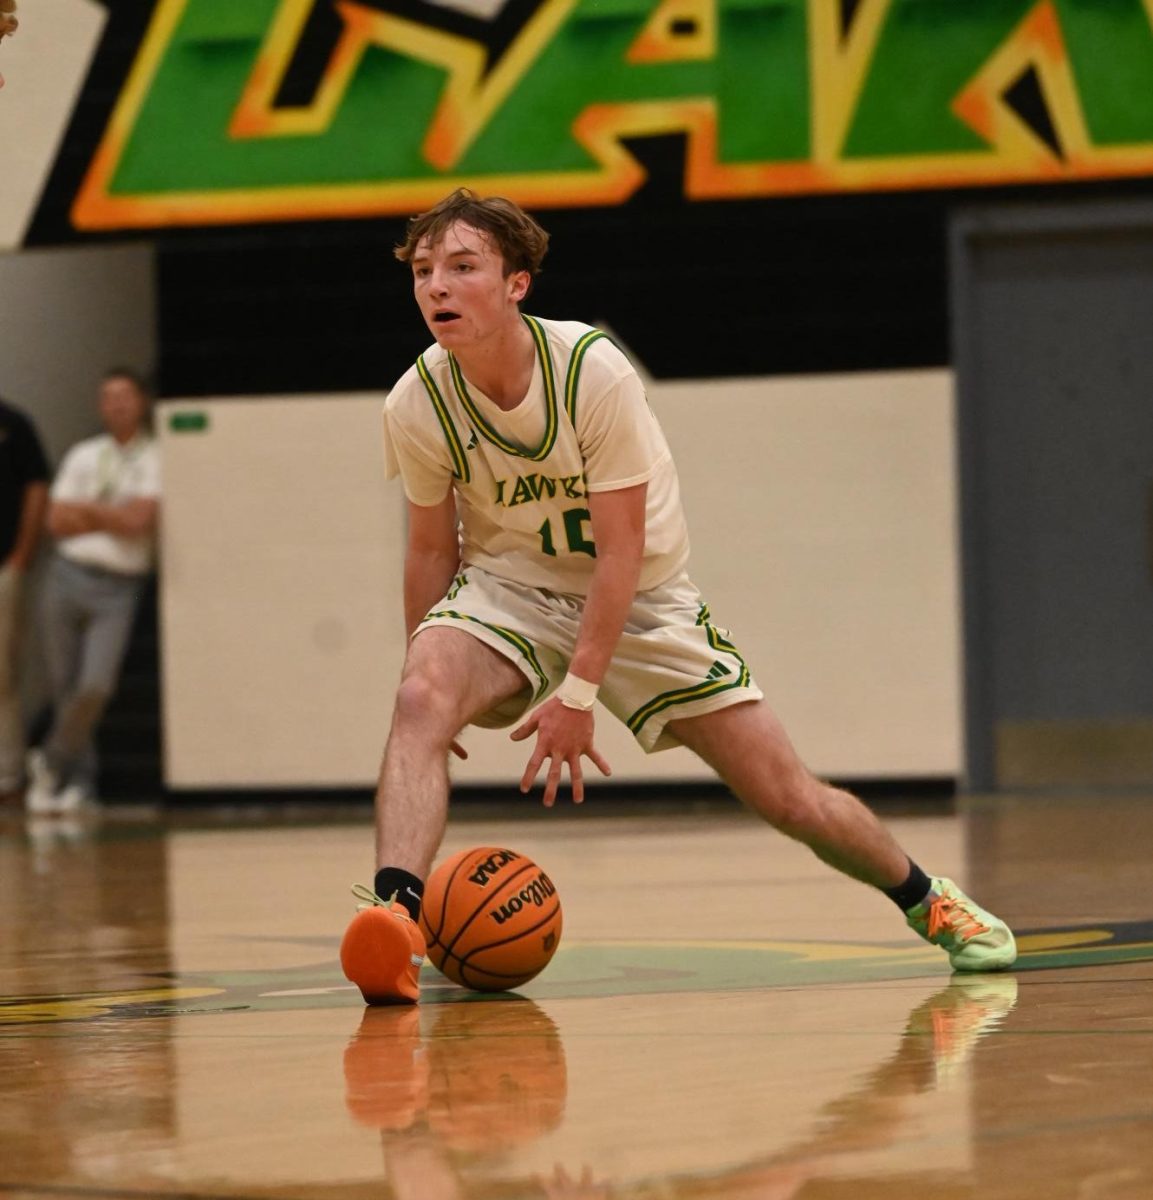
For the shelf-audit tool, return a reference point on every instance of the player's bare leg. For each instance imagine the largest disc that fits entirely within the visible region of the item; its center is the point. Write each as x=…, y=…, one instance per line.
x=749, y=749
x=449, y=678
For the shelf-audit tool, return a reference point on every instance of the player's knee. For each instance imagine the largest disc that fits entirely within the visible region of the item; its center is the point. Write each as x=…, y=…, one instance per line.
x=425, y=703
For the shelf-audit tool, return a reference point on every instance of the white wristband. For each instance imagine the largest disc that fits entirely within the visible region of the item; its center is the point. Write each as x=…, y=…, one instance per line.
x=577, y=693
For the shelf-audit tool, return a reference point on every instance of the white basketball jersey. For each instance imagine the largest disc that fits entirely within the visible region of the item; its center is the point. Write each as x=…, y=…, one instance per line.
x=522, y=477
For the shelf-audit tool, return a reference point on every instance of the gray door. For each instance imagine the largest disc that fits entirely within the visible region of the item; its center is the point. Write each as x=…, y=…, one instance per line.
x=1053, y=345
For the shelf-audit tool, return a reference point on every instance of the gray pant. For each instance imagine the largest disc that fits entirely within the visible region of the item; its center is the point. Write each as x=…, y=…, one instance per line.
x=87, y=619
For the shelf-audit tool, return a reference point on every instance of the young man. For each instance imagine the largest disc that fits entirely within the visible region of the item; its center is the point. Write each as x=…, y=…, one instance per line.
x=23, y=499
x=103, y=513
x=545, y=566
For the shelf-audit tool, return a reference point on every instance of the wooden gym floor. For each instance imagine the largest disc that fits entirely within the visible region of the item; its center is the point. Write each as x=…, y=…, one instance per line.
x=725, y=1019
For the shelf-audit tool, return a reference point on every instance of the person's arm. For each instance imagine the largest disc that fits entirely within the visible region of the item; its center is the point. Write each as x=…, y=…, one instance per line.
x=565, y=734
x=618, y=524
x=130, y=518
x=31, y=523
x=68, y=518
x=431, y=559
x=8, y=22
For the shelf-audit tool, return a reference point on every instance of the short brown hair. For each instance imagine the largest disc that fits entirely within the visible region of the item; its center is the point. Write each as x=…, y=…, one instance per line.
x=521, y=241
x=134, y=377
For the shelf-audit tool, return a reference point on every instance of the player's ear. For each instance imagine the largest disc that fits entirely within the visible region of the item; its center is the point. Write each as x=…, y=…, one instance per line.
x=519, y=284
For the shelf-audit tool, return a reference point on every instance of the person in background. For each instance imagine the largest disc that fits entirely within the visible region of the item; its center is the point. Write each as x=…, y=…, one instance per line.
x=8, y=23
x=103, y=512
x=23, y=499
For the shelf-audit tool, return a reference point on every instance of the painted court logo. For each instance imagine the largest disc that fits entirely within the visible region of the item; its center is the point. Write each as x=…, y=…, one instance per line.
x=312, y=109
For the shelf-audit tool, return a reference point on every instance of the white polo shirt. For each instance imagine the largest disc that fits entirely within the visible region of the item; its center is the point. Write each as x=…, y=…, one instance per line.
x=101, y=469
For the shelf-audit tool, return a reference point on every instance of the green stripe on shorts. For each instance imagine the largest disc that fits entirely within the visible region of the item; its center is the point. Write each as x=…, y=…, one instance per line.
x=698, y=691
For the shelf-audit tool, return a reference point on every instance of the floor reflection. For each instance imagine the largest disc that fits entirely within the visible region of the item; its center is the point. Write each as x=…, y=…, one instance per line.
x=453, y=1088
x=173, y=1022
x=85, y=911
x=454, y=1083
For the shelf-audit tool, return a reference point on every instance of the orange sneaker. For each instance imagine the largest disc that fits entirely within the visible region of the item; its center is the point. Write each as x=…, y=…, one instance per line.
x=383, y=950
x=386, y=1070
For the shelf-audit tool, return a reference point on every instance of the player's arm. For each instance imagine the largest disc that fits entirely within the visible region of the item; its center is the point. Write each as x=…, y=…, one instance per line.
x=565, y=734
x=618, y=524
x=8, y=22
x=431, y=559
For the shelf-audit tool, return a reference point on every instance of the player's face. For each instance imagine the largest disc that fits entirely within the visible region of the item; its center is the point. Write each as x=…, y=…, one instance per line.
x=462, y=289
x=122, y=407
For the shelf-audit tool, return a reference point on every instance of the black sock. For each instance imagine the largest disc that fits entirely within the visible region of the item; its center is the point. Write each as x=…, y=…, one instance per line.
x=409, y=890
x=910, y=893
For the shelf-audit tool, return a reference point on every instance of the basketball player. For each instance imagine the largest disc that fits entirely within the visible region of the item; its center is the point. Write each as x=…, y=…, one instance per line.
x=545, y=569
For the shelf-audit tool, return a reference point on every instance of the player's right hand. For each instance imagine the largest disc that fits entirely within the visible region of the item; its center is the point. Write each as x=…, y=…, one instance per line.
x=8, y=22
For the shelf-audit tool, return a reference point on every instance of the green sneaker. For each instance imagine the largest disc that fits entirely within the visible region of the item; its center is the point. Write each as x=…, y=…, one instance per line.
x=964, y=1012
x=975, y=939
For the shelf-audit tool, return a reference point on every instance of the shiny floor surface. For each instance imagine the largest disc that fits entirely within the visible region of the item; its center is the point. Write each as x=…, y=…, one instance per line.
x=725, y=1018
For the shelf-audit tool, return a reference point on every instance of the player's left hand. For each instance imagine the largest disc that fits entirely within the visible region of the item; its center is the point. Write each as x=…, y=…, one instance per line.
x=563, y=735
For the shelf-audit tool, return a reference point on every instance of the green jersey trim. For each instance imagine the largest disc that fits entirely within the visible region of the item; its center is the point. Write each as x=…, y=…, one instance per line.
x=572, y=379
x=698, y=691
x=544, y=354
x=455, y=448
x=524, y=647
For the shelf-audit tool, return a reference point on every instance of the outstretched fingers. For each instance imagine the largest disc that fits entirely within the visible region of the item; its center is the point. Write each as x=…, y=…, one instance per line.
x=563, y=736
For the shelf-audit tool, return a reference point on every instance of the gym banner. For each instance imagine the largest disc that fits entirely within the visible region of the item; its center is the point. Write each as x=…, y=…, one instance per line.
x=259, y=110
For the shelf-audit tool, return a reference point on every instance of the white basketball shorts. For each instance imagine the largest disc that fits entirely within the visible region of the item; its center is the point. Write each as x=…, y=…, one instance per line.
x=671, y=661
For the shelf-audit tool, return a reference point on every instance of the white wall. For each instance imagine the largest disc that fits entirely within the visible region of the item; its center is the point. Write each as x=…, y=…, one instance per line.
x=65, y=316
x=823, y=519
x=823, y=513
x=282, y=624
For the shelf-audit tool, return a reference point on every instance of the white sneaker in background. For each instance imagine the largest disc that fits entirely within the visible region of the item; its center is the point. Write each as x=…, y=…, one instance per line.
x=40, y=796
x=73, y=797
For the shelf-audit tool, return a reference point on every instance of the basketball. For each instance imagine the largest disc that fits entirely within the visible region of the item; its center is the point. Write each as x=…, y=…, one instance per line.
x=491, y=917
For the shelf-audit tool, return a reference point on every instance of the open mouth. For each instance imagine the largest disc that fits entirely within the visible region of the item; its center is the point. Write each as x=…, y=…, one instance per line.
x=445, y=318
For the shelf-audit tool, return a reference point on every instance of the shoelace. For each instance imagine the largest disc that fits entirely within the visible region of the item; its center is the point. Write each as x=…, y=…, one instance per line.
x=370, y=899
x=951, y=916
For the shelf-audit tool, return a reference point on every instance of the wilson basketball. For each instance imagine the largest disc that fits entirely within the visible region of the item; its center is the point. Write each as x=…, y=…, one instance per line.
x=492, y=918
